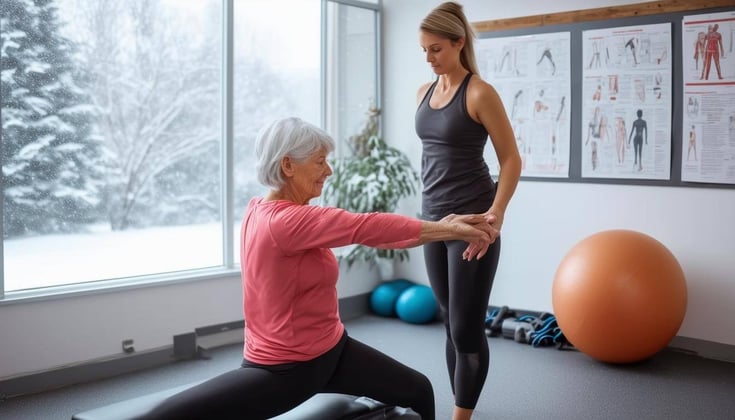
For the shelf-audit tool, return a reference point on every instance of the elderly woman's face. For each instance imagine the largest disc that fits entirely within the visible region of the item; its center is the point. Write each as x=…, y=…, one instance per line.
x=308, y=177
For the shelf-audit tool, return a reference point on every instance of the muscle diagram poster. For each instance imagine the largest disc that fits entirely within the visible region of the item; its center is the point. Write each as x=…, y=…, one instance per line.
x=626, y=102
x=532, y=75
x=708, y=121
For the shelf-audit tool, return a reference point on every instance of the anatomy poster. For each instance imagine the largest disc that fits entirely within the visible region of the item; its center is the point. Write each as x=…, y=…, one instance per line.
x=532, y=75
x=708, y=122
x=626, y=102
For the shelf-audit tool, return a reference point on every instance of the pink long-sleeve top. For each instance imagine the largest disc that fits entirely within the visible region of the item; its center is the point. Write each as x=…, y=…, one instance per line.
x=289, y=273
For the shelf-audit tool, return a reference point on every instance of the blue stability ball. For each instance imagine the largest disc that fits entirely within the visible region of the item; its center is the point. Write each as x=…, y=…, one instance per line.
x=417, y=305
x=384, y=297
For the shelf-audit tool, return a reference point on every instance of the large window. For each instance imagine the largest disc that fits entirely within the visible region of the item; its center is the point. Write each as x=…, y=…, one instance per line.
x=352, y=69
x=127, y=126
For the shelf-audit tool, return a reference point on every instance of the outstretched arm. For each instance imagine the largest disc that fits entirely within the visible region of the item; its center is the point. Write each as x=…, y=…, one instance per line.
x=472, y=228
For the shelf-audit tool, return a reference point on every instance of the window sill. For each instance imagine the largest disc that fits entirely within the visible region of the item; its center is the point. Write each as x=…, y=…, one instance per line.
x=115, y=285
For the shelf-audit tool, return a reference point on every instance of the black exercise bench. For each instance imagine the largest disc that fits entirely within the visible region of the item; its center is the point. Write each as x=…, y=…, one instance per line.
x=320, y=407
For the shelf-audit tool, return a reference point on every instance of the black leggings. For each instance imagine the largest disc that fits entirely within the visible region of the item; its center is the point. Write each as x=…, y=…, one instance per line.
x=462, y=289
x=263, y=391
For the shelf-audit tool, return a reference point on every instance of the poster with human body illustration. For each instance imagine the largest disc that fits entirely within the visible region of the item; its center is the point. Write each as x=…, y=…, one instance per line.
x=626, y=102
x=532, y=76
x=708, y=121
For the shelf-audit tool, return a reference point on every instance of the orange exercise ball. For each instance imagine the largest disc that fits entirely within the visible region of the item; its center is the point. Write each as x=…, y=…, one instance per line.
x=619, y=296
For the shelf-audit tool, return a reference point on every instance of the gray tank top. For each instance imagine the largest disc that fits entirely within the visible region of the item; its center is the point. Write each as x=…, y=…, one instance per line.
x=455, y=176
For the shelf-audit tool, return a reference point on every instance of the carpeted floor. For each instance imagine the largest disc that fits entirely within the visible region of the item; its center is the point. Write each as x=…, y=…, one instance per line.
x=523, y=382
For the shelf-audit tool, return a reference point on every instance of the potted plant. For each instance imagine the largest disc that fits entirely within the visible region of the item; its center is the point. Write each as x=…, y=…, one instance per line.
x=373, y=178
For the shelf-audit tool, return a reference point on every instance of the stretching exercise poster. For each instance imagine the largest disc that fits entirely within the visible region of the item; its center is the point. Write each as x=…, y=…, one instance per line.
x=626, y=102
x=532, y=76
x=708, y=122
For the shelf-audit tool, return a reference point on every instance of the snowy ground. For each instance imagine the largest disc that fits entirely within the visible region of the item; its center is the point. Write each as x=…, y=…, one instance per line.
x=102, y=254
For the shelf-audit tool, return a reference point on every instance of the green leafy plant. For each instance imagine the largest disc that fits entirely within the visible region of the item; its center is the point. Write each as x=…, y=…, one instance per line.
x=373, y=178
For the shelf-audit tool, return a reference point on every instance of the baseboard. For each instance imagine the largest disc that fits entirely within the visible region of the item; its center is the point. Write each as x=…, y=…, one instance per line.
x=701, y=348
x=93, y=370
x=704, y=348
x=195, y=344
x=354, y=306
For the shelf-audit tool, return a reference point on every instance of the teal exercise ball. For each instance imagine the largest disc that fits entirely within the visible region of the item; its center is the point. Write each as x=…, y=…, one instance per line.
x=417, y=305
x=383, y=298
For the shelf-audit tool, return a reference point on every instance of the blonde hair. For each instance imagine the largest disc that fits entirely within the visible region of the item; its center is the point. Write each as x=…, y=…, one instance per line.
x=448, y=21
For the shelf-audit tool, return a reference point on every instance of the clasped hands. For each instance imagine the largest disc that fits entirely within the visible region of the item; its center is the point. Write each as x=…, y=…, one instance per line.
x=479, y=230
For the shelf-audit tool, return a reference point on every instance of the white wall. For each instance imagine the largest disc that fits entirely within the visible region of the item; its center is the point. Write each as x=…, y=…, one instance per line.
x=546, y=219
x=41, y=335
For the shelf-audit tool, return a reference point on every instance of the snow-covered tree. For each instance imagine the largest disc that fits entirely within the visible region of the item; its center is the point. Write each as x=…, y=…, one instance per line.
x=158, y=87
x=156, y=84
x=49, y=157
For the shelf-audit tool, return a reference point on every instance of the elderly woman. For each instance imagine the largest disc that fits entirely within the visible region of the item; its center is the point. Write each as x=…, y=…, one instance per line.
x=295, y=344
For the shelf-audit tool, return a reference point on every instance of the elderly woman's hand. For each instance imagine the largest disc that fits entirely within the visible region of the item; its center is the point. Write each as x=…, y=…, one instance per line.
x=471, y=224
x=495, y=218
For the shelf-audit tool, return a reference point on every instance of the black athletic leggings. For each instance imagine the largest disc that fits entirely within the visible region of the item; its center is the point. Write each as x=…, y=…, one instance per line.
x=262, y=391
x=462, y=289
